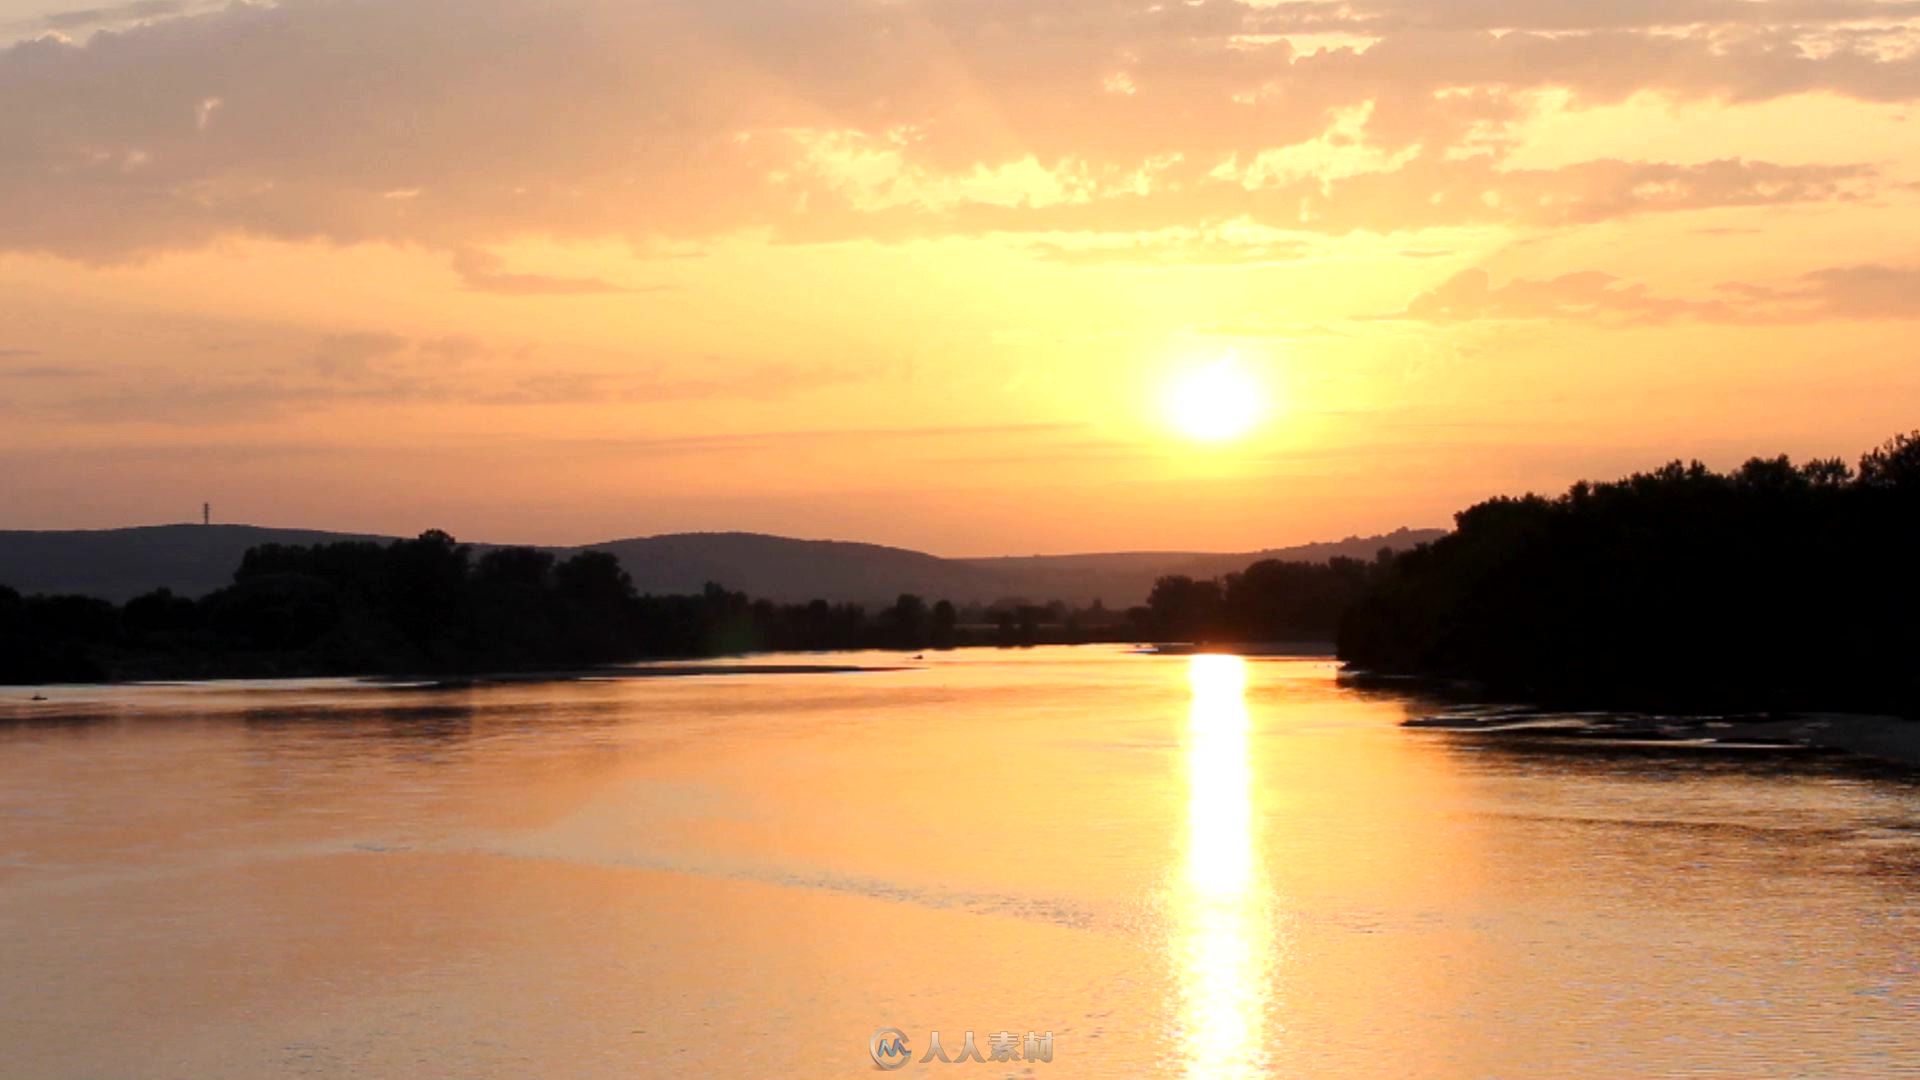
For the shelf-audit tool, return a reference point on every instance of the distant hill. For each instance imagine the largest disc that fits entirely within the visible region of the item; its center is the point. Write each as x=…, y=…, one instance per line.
x=119, y=564
x=792, y=571
x=1122, y=579
x=196, y=559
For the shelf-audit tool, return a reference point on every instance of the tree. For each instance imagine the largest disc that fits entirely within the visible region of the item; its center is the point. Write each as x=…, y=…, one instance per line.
x=514, y=567
x=1893, y=464
x=907, y=622
x=594, y=577
x=945, y=625
x=1184, y=609
x=427, y=592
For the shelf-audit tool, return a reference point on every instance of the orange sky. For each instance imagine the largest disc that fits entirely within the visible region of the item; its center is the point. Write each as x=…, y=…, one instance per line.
x=924, y=272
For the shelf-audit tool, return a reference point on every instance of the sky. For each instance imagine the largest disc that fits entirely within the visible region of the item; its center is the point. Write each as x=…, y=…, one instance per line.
x=934, y=272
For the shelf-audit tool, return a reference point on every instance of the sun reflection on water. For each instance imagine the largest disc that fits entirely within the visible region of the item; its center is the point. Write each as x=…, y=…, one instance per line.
x=1224, y=929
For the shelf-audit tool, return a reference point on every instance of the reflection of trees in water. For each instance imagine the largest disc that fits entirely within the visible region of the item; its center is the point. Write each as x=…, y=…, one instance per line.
x=442, y=716
x=1896, y=865
x=1604, y=757
x=1788, y=814
x=437, y=721
x=38, y=716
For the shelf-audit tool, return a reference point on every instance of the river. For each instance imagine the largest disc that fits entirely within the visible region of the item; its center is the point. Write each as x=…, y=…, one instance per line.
x=1202, y=867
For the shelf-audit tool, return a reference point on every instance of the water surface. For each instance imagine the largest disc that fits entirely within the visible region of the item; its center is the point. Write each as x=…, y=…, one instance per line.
x=1180, y=866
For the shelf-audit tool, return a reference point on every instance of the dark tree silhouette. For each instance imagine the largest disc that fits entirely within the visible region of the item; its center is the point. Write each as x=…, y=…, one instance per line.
x=1773, y=585
x=1184, y=609
x=907, y=622
x=1892, y=465
x=945, y=629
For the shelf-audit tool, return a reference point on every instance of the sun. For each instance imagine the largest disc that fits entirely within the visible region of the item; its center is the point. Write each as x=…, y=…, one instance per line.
x=1216, y=402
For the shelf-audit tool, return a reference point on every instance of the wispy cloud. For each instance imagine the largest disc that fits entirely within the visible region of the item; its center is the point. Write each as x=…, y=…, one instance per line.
x=1869, y=292
x=44, y=372
x=363, y=368
x=741, y=440
x=484, y=272
x=1584, y=295
x=84, y=18
x=683, y=119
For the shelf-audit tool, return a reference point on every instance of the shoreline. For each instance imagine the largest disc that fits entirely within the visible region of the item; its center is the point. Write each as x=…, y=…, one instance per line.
x=642, y=667
x=1874, y=736
x=455, y=681
x=622, y=673
x=683, y=666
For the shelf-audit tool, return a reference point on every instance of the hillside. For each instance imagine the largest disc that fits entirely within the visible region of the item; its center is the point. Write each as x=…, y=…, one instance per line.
x=118, y=564
x=1123, y=578
x=193, y=560
x=791, y=571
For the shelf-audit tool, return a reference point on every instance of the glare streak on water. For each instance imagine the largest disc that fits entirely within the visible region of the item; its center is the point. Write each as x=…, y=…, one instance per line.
x=1223, y=932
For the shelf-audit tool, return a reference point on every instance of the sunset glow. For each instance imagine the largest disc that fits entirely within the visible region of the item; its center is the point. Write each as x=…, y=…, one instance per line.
x=1149, y=539
x=1214, y=403
x=677, y=270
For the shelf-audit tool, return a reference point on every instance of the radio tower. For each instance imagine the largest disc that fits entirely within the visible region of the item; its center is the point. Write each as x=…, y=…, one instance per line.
x=206, y=513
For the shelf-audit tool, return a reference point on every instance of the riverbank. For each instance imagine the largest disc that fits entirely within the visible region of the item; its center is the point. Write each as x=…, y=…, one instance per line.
x=621, y=672
x=1880, y=737
x=1302, y=647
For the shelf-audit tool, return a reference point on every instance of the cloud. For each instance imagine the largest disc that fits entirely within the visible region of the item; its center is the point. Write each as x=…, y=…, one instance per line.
x=1180, y=249
x=1385, y=17
x=43, y=372
x=86, y=18
x=459, y=124
x=752, y=440
x=1432, y=193
x=1585, y=295
x=482, y=272
x=293, y=373
x=355, y=357
x=1868, y=292
x=15, y=354
x=764, y=382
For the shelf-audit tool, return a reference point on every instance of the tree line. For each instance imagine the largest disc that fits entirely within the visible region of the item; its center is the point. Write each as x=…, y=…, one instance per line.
x=434, y=605
x=1271, y=601
x=1773, y=585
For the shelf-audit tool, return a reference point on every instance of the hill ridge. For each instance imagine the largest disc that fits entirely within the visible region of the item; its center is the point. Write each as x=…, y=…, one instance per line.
x=194, y=559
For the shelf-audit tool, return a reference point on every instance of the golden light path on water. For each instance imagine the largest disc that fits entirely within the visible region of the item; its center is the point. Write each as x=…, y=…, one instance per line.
x=1224, y=936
